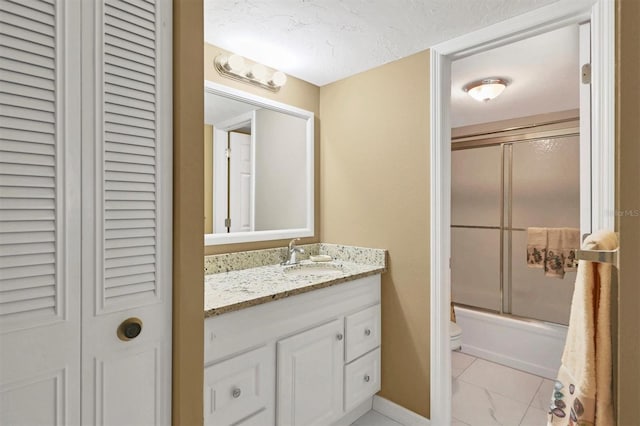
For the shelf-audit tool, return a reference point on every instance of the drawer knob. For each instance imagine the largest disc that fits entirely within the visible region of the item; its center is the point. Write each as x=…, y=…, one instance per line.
x=367, y=332
x=367, y=378
x=339, y=336
x=236, y=393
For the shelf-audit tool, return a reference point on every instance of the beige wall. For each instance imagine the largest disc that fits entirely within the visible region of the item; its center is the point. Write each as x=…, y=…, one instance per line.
x=297, y=93
x=374, y=173
x=188, y=205
x=628, y=200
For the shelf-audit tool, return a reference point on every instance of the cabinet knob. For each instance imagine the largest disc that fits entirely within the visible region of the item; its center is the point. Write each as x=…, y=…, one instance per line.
x=339, y=336
x=367, y=378
x=236, y=393
x=367, y=332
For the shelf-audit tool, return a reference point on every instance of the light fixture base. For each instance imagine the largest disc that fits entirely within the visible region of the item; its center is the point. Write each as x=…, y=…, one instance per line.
x=486, y=89
x=220, y=64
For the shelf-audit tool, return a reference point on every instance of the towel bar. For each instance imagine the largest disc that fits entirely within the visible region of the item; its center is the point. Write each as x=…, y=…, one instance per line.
x=600, y=256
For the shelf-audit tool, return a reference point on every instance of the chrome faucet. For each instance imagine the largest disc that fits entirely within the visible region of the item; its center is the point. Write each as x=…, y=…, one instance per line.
x=293, y=253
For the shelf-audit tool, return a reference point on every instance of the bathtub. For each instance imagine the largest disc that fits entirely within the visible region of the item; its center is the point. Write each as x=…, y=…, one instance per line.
x=528, y=345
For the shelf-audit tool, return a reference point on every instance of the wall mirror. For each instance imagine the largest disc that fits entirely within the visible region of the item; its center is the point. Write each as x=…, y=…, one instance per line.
x=259, y=168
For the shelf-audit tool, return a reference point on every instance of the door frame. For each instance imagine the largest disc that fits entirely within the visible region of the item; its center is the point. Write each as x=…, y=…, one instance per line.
x=601, y=15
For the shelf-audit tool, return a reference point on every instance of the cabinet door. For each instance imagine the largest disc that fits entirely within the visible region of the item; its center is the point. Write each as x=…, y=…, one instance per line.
x=310, y=376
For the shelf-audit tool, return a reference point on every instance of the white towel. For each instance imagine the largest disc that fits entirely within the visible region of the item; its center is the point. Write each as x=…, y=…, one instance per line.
x=582, y=393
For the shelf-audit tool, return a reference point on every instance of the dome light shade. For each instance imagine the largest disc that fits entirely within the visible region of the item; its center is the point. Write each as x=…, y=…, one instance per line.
x=486, y=89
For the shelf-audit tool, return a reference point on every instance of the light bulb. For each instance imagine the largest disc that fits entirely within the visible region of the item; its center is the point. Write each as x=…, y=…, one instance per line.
x=234, y=63
x=258, y=72
x=278, y=79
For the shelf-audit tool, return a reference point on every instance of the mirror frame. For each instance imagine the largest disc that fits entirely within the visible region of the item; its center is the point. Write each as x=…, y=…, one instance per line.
x=276, y=234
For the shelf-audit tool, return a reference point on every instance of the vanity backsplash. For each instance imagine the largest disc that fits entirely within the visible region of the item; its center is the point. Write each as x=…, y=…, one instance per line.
x=252, y=259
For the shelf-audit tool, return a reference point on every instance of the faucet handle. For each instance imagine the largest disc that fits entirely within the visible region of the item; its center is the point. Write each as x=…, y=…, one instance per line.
x=292, y=244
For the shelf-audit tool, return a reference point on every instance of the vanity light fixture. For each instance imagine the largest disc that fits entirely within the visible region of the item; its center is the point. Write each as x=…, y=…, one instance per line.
x=486, y=89
x=235, y=67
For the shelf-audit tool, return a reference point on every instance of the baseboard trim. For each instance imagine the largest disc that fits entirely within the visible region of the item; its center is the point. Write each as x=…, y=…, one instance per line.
x=357, y=412
x=398, y=413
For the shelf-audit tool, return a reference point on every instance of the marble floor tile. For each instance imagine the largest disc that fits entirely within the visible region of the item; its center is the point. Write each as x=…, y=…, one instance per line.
x=476, y=406
x=534, y=417
x=514, y=384
x=373, y=418
x=460, y=362
x=456, y=422
x=542, y=399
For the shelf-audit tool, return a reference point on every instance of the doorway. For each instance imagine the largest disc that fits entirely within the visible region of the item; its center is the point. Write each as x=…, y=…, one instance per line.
x=537, y=22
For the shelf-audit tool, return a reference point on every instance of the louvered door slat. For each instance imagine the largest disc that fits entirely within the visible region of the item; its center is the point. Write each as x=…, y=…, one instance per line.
x=30, y=24
x=16, y=249
x=128, y=10
x=115, y=253
x=129, y=149
x=23, y=102
x=112, y=99
x=31, y=171
x=20, y=8
x=27, y=92
x=11, y=227
x=26, y=203
x=24, y=283
x=129, y=153
x=32, y=237
x=22, y=57
x=28, y=307
x=45, y=7
x=26, y=294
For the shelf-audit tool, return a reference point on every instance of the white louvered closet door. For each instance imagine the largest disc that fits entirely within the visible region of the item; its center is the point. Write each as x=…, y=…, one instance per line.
x=126, y=177
x=85, y=211
x=39, y=213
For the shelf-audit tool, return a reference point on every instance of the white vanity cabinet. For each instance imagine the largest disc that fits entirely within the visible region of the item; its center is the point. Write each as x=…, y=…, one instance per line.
x=308, y=359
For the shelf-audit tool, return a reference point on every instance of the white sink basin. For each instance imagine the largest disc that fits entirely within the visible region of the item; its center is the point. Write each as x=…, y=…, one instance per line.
x=314, y=270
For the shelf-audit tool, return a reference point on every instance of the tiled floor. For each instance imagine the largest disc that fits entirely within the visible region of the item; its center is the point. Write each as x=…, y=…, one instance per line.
x=486, y=393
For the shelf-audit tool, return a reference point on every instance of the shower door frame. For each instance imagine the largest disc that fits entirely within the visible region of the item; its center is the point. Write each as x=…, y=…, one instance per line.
x=601, y=15
x=506, y=134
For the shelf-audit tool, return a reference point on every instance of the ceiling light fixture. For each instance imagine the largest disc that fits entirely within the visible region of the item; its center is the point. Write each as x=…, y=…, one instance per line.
x=486, y=89
x=235, y=67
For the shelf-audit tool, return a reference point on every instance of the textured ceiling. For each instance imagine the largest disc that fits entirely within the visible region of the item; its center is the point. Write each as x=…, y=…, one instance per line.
x=322, y=41
x=544, y=72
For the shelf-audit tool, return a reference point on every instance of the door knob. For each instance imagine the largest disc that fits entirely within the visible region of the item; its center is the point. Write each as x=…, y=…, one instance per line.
x=367, y=332
x=339, y=336
x=129, y=329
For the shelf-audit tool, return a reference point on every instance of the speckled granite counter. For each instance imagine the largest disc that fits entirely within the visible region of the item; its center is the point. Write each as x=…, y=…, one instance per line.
x=239, y=280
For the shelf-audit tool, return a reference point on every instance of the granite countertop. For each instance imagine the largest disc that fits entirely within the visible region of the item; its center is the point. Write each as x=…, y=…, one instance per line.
x=237, y=282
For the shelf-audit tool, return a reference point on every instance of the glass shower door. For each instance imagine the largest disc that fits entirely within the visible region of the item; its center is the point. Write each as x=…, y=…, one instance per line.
x=545, y=192
x=475, y=230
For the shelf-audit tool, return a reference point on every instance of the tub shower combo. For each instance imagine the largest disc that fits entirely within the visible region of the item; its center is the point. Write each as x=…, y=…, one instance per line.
x=502, y=184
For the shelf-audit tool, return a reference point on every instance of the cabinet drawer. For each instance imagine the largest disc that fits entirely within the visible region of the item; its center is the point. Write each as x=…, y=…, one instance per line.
x=238, y=387
x=361, y=379
x=362, y=331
